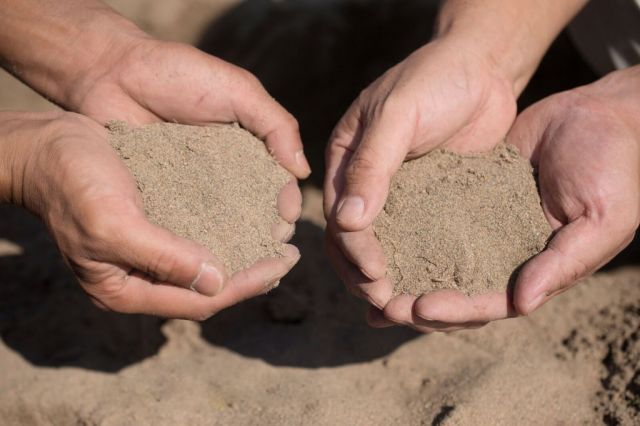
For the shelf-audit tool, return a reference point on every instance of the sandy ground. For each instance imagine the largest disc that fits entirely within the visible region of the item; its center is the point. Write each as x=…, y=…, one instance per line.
x=302, y=354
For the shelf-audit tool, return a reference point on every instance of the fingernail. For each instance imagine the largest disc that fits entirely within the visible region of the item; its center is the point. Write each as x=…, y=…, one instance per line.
x=351, y=209
x=292, y=254
x=209, y=281
x=301, y=161
x=537, y=301
x=282, y=231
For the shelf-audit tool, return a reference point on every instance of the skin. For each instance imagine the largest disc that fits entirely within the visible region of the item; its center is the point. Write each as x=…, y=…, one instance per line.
x=593, y=204
x=88, y=59
x=489, y=50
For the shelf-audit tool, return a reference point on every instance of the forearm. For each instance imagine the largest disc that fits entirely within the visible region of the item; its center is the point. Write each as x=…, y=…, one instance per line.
x=55, y=45
x=513, y=34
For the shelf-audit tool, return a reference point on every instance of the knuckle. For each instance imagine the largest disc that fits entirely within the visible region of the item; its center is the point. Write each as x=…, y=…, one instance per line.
x=248, y=78
x=391, y=315
x=110, y=295
x=162, y=266
x=362, y=167
x=291, y=122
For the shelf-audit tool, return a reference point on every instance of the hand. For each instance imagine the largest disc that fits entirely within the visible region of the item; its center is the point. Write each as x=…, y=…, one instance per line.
x=443, y=95
x=585, y=144
x=143, y=80
x=64, y=170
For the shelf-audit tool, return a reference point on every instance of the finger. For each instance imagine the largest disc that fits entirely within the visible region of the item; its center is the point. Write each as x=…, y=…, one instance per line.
x=137, y=293
x=576, y=250
x=375, y=318
x=455, y=308
x=262, y=276
x=376, y=292
x=344, y=137
x=363, y=250
x=367, y=176
x=259, y=113
x=168, y=258
x=401, y=311
x=289, y=202
x=283, y=231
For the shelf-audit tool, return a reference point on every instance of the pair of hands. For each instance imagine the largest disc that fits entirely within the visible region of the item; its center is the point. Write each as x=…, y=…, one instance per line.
x=73, y=179
x=585, y=144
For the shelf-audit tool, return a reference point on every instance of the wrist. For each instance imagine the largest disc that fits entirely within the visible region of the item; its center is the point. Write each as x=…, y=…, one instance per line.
x=15, y=149
x=26, y=161
x=58, y=48
x=110, y=47
x=512, y=35
x=495, y=55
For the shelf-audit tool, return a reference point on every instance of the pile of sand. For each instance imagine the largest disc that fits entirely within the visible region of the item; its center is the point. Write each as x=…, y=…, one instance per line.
x=215, y=185
x=463, y=222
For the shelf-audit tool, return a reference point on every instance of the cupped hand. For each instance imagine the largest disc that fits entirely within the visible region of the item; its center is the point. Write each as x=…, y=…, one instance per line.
x=585, y=144
x=443, y=95
x=66, y=172
x=143, y=80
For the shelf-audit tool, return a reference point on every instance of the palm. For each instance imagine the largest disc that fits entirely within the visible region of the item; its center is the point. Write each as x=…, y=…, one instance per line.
x=588, y=177
x=79, y=186
x=588, y=164
x=411, y=110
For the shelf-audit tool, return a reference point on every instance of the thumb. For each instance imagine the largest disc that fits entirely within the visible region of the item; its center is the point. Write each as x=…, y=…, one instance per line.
x=578, y=249
x=170, y=259
x=368, y=175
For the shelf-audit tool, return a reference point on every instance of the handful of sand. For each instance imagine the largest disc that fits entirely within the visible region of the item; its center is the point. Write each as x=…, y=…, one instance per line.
x=215, y=185
x=463, y=222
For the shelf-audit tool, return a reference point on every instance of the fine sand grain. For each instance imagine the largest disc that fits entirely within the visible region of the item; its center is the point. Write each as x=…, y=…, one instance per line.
x=464, y=222
x=215, y=185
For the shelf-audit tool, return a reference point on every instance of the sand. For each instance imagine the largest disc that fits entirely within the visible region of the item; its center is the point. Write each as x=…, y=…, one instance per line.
x=63, y=361
x=216, y=185
x=463, y=222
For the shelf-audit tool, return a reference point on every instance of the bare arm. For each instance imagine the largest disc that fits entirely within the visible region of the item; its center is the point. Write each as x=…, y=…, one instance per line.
x=514, y=34
x=57, y=47
x=87, y=58
x=457, y=92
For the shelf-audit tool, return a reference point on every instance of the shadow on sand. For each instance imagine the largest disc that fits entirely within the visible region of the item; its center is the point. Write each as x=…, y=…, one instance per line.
x=47, y=318
x=309, y=321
